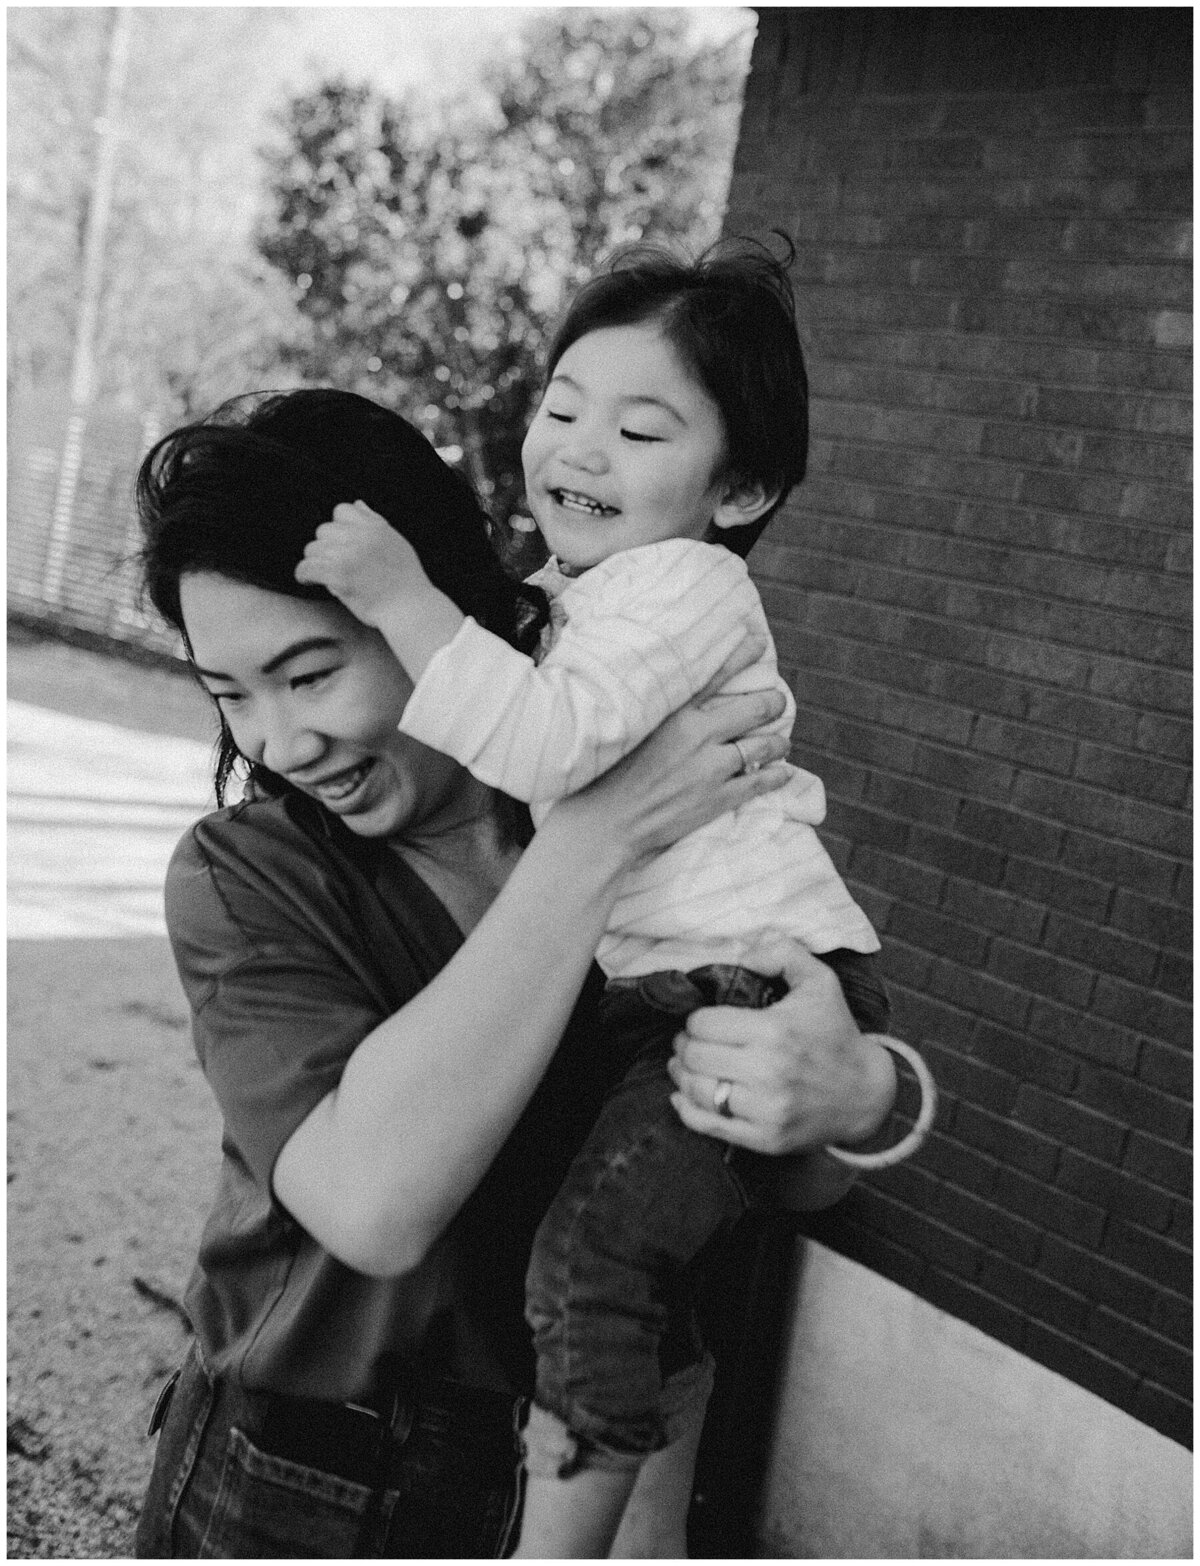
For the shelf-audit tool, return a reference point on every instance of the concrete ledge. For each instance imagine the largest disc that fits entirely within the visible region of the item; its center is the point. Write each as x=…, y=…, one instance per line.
x=903, y=1433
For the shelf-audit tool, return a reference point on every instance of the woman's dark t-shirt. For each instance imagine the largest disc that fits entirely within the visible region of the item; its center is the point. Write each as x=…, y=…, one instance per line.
x=294, y=939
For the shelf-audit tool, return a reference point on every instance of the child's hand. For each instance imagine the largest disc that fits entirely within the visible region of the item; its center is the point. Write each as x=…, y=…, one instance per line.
x=363, y=561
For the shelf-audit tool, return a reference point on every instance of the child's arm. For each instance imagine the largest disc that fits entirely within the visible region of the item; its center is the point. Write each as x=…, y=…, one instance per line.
x=376, y=573
x=645, y=631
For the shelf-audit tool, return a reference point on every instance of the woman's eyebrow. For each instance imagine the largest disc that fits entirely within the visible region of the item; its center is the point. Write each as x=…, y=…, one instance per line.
x=293, y=650
x=309, y=644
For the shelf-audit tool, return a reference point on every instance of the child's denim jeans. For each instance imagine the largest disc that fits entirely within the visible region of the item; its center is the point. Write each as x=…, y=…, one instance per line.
x=620, y=1368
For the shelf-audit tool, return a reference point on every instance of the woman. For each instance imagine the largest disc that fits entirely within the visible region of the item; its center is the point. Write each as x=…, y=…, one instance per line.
x=392, y=989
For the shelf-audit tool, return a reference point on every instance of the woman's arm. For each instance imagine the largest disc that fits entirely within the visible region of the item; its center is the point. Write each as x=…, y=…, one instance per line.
x=381, y=1165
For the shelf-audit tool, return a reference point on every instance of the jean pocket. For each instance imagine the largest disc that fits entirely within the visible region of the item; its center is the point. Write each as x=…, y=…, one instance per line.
x=269, y=1506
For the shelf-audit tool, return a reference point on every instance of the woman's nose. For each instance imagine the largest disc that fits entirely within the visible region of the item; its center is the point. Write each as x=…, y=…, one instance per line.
x=288, y=747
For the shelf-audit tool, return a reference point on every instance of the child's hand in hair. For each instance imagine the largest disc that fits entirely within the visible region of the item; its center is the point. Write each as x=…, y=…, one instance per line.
x=364, y=562
x=379, y=577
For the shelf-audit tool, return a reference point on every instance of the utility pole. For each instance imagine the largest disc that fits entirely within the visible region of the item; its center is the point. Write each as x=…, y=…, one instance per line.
x=82, y=357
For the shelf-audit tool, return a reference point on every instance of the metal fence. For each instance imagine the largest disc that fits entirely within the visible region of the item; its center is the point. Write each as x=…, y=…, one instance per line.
x=72, y=531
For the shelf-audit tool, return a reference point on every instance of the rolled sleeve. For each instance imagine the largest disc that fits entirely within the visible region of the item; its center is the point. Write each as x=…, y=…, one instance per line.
x=277, y=1011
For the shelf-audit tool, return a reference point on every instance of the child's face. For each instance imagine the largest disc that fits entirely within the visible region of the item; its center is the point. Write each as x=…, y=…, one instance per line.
x=626, y=448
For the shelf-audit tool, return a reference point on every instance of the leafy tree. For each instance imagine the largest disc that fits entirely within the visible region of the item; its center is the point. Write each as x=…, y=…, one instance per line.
x=430, y=255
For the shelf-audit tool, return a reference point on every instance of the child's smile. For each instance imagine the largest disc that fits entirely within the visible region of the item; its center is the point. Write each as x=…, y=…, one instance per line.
x=626, y=448
x=571, y=501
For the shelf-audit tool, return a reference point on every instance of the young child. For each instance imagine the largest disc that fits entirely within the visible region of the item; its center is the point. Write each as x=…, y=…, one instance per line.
x=673, y=424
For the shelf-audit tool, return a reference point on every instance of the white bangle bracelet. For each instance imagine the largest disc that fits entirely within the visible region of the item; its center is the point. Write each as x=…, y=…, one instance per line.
x=907, y=1145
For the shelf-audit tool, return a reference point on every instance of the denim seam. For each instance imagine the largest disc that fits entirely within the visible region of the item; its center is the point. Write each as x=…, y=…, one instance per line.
x=571, y=1249
x=660, y=1009
x=508, y=1528
x=191, y=1451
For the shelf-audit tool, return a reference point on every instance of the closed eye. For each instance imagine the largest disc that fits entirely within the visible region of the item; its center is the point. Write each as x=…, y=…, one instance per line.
x=560, y=418
x=637, y=435
x=313, y=677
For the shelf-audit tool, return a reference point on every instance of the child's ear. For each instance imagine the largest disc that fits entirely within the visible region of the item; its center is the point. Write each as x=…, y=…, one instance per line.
x=744, y=503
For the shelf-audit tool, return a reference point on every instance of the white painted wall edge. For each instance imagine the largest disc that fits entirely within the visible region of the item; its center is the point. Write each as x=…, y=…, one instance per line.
x=903, y=1433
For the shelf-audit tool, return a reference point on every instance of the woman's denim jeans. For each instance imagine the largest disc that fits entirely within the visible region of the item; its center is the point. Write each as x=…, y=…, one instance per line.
x=614, y=1264
x=214, y=1493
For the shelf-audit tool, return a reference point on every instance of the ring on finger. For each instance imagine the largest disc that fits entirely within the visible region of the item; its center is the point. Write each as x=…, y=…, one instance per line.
x=747, y=763
x=721, y=1096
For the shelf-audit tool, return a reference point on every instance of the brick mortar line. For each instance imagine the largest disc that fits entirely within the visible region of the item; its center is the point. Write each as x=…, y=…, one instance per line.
x=1034, y=1268
x=1079, y=258
x=1023, y=680
x=1183, y=355
x=983, y=253
x=957, y=833
x=1030, y=95
x=1131, y=524
x=1083, y=1012
x=987, y=541
x=946, y=618
x=1024, y=859
x=970, y=581
x=987, y=340
x=865, y=182
x=1115, y=301
x=1031, y=1316
x=1062, y=343
x=1033, y=211
x=1013, y=464
x=1116, y=389
x=1006, y=421
x=973, y=497
x=987, y=141
x=1024, y=768
x=870, y=175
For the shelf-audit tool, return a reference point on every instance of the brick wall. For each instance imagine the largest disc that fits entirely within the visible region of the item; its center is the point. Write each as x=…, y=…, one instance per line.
x=981, y=594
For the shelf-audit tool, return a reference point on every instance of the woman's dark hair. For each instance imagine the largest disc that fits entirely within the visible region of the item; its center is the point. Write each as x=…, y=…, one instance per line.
x=241, y=492
x=731, y=317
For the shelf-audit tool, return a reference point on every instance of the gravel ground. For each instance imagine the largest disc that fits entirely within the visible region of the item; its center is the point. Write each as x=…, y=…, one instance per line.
x=112, y=1150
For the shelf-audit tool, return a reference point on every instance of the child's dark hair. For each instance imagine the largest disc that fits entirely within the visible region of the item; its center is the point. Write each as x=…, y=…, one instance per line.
x=731, y=317
x=241, y=492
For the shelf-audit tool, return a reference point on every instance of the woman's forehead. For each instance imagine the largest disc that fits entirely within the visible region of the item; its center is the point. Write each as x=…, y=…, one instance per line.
x=234, y=627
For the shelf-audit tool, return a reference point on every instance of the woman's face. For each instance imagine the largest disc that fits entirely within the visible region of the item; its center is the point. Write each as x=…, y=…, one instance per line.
x=314, y=695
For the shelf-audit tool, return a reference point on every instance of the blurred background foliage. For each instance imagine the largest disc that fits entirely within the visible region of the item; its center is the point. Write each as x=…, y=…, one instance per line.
x=187, y=313
x=411, y=245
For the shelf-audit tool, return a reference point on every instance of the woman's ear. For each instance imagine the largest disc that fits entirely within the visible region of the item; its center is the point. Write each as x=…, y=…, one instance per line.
x=744, y=503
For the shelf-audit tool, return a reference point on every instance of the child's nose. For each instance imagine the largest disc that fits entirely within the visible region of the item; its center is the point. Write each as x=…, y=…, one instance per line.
x=585, y=449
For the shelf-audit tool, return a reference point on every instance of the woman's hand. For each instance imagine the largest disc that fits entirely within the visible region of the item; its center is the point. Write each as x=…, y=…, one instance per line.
x=801, y=1074
x=687, y=772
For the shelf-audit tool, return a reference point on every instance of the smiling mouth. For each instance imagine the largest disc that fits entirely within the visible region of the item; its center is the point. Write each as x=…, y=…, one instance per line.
x=341, y=785
x=572, y=500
